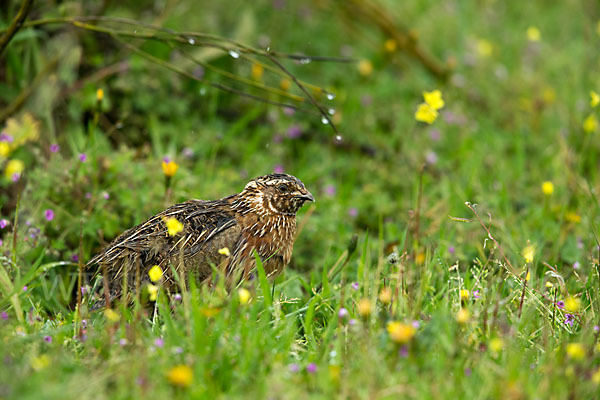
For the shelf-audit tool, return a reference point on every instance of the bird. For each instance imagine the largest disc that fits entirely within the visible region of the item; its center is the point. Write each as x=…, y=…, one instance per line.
x=196, y=237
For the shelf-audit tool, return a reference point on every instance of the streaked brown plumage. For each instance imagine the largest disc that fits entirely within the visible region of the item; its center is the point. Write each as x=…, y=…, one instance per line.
x=261, y=218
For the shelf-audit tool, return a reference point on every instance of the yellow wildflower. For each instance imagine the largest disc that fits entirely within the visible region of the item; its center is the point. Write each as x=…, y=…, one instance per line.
x=169, y=168
x=549, y=95
x=434, y=99
x=285, y=84
x=420, y=258
x=155, y=273
x=399, y=332
x=225, y=251
x=549, y=284
x=244, y=296
x=572, y=304
x=484, y=47
x=533, y=34
x=426, y=114
x=13, y=167
x=528, y=253
x=364, y=307
x=464, y=294
x=590, y=124
x=257, y=71
x=594, y=99
x=334, y=372
x=152, y=292
x=462, y=316
x=596, y=377
x=528, y=276
x=496, y=345
x=575, y=351
x=111, y=315
x=39, y=363
x=573, y=217
x=390, y=45
x=180, y=375
x=365, y=67
x=173, y=226
x=210, y=311
x=99, y=94
x=385, y=296
x=4, y=149
x=547, y=188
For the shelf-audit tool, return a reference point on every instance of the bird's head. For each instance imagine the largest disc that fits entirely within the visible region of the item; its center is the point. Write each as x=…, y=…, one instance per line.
x=276, y=194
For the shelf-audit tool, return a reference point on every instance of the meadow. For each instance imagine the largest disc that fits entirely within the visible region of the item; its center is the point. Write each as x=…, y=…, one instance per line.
x=452, y=147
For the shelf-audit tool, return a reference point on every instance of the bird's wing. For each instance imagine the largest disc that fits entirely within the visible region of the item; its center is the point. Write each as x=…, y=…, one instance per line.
x=202, y=220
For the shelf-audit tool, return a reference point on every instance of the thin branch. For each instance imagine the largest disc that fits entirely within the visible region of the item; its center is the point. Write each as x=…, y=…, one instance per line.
x=15, y=25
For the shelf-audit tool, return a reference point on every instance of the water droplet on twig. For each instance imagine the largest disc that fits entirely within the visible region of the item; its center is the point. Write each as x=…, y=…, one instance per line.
x=305, y=61
x=324, y=120
x=234, y=54
x=338, y=138
x=191, y=41
x=331, y=111
x=330, y=96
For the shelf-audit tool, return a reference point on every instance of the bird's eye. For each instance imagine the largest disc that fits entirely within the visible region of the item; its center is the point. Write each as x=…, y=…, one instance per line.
x=282, y=188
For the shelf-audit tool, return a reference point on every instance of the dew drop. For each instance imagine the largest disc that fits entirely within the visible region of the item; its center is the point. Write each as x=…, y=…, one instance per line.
x=234, y=54
x=268, y=48
x=305, y=61
x=330, y=96
x=467, y=203
x=331, y=111
x=324, y=120
x=202, y=91
x=338, y=138
x=191, y=41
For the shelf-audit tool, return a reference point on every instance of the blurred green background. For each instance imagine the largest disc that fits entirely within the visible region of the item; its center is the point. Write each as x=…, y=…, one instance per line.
x=518, y=80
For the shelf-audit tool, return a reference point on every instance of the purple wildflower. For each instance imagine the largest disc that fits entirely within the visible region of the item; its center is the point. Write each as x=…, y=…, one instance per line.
x=294, y=368
x=3, y=223
x=5, y=137
x=177, y=350
x=105, y=195
x=15, y=177
x=451, y=250
x=88, y=195
x=468, y=371
x=330, y=190
x=84, y=323
x=342, y=313
x=166, y=159
x=54, y=148
x=278, y=169
x=569, y=319
x=24, y=288
x=352, y=322
x=431, y=157
x=177, y=297
x=403, y=352
x=289, y=111
x=355, y=285
x=122, y=342
x=576, y=265
x=416, y=324
x=48, y=339
x=83, y=157
x=159, y=342
x=294, y=131
x=311, y=368
x=476, y=294
x=560, y=304
x=75, y=258
x=353, y=212
x=187, y=152
x=4, y=315
x=596, y=328
x=49, y=214
x=83, y=290
x=435, y=135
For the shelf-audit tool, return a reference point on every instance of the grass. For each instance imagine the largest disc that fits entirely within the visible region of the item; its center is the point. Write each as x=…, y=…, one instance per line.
x=392, y=237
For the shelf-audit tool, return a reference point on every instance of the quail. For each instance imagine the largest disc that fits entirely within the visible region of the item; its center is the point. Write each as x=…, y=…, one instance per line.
x=225, y=234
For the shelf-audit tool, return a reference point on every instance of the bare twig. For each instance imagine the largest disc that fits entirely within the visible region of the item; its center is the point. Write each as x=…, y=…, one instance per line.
x=15, y=25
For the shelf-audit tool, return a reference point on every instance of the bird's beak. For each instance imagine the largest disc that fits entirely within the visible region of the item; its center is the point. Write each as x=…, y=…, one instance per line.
x=306, y=196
